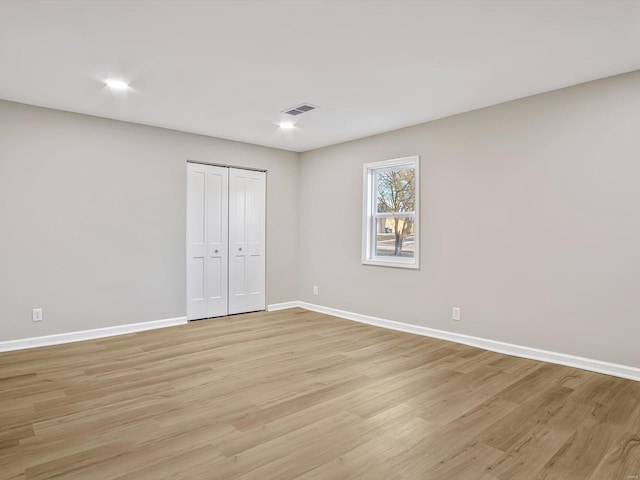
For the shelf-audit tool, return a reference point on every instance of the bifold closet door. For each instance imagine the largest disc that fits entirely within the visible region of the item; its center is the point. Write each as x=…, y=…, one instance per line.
x=207, y=240
x=247, y=205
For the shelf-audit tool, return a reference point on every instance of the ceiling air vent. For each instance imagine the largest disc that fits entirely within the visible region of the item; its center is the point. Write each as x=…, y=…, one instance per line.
x=305, y=107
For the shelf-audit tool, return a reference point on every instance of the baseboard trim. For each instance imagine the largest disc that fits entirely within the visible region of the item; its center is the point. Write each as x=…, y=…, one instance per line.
x=61, y=338
x=592, y=365
x=598, y=366
x=282, y=306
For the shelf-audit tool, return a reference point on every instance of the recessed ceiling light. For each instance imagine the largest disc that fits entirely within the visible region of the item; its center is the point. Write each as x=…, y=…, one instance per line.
x=117, y=84
x=287, y=125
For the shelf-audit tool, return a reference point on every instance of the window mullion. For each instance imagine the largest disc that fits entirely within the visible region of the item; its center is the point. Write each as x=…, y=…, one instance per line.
x=394, y=215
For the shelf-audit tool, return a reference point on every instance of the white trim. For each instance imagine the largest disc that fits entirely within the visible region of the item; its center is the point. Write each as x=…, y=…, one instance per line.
x=89, y=334
x=395, y=162
x=274, y=307
x=395, y=263
x=617, y=370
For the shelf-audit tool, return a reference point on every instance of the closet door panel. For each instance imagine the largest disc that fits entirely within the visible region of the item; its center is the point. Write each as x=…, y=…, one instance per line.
x=217, y=238
x=247, y=203
x=196, y=243
x=207, y=253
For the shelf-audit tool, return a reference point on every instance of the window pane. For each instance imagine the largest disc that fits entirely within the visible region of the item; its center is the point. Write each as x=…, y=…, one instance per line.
x=395, y=237
x=396, y=190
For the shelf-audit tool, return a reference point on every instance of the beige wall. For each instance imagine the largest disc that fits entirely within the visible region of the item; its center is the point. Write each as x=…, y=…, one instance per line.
x=92, y=219
x=530, y=223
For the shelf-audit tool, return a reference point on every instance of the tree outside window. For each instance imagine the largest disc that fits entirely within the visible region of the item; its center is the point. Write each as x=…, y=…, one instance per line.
x=396, y=194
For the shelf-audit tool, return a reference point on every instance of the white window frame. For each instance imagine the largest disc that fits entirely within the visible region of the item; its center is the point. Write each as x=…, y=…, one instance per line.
x=369, y=193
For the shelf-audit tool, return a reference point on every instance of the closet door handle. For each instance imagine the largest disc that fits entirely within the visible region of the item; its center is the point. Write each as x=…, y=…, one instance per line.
x=215, y=251
x=240, y=249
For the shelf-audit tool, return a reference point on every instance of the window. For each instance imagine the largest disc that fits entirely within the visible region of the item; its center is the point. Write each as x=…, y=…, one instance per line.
x=390, y=230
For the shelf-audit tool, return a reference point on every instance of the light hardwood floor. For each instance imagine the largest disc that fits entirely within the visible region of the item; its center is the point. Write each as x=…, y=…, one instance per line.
x=296, y=394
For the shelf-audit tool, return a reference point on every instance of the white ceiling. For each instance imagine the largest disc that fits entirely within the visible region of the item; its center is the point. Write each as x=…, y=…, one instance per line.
x=227, y=68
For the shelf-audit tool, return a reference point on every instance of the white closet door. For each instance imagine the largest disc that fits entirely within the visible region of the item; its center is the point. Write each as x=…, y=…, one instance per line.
x=207, y=240
x=247, y=202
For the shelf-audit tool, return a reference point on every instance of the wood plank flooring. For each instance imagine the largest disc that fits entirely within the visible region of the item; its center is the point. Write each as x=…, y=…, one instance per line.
x=297, y=394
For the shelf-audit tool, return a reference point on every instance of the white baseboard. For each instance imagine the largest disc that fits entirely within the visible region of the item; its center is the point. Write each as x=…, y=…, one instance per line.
x=623, y=371
x=89, y=334
x=598, y=366
x=282, y=306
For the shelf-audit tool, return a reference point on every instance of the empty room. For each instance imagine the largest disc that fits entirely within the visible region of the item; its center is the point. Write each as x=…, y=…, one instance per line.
x=319, y=240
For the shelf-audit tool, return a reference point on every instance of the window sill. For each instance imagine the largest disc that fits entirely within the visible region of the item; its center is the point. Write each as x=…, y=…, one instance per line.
x=394, y=264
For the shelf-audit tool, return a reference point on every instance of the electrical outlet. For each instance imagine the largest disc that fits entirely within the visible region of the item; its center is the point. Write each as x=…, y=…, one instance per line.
x=455, y=313
x=315, y=289
x=36, y=315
